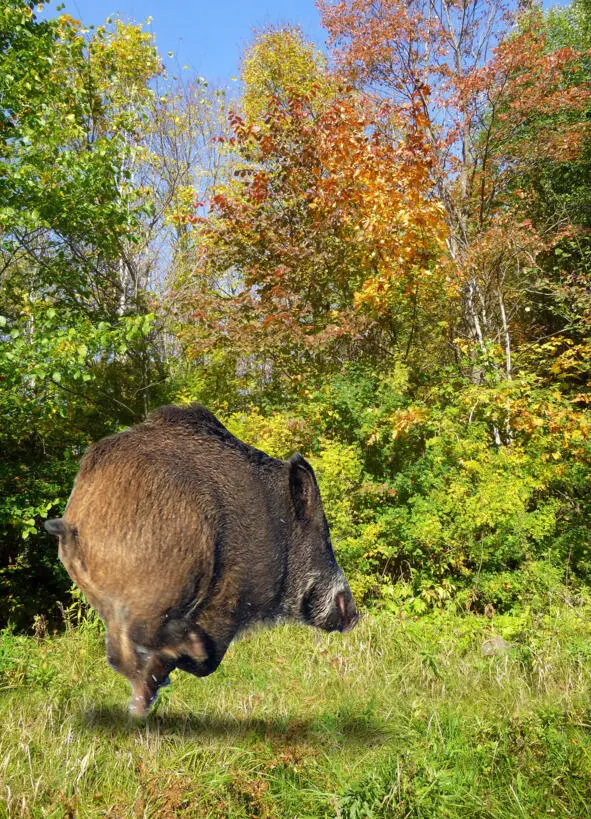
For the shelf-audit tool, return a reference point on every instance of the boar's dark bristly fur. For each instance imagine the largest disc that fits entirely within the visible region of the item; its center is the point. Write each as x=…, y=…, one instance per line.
x=180, y=535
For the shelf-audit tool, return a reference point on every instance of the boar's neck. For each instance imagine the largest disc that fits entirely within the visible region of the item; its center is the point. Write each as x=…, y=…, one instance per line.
x=273, y=475
x=286, y=535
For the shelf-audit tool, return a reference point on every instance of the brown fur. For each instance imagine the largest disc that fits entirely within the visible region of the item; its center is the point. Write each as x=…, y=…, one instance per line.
x=180, y=535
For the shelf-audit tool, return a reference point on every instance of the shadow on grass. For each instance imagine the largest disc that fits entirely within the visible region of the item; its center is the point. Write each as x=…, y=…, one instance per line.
x=348, y=728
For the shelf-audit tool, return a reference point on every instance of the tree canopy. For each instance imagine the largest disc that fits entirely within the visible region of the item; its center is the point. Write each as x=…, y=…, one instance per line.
x=378, y=254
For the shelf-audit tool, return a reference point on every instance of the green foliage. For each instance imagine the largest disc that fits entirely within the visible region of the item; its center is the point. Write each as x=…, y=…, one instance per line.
x=71, y=107
x=21, y=664
x=77, y=350
x=462, y=510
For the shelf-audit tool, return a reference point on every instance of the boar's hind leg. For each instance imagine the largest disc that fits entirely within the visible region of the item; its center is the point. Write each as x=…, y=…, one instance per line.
x=187, y=645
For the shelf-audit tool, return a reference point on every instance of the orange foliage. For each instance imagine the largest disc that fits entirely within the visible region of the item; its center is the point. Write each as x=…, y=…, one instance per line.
x=326, y=222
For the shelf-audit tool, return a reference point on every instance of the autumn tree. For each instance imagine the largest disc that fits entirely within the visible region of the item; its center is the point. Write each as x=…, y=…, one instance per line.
x=323, y=245
x=487, y=89
x=553, y=190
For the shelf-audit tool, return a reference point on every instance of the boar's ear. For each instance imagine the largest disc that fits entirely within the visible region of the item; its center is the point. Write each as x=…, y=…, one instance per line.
x=302, y=485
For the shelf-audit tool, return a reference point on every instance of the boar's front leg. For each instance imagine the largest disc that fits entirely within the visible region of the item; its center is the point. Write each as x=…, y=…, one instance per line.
x=195, y=646
x=147, y=681
x=147, y=670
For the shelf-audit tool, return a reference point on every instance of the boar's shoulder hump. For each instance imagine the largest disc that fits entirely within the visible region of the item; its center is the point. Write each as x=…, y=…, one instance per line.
x=101, y=451
x=203, y=423
x=161, y=430
x=194, y=417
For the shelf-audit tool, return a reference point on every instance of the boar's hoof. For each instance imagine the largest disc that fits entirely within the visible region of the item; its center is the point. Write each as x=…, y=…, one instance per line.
x=144, y=695
x=140, y=705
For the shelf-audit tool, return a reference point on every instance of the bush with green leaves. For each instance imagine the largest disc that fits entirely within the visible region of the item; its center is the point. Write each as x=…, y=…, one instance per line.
x=425, y=509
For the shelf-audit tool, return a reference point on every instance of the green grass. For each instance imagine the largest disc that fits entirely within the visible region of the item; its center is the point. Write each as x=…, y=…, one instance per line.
x=399, y=718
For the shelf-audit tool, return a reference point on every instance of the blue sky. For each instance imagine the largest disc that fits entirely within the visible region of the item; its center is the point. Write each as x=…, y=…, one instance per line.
x=206, y=35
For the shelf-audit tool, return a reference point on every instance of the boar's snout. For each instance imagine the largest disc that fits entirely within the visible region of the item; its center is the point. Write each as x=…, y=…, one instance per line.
x=347, y=614
x=335, y=612
x=347, y=610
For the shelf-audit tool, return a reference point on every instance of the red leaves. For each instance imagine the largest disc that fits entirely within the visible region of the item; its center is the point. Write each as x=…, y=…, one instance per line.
x=278, y=318
x=430, y=60
x=259, y=189
x=483, y=103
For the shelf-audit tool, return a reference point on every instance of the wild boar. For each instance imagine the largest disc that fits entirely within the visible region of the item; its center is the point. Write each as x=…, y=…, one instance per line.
x=181, y=535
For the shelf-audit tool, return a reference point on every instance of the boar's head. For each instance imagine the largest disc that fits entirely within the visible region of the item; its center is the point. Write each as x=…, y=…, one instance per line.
x=319, y=592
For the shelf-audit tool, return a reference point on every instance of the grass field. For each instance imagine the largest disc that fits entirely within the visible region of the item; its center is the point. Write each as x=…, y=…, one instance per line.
x=400, y=718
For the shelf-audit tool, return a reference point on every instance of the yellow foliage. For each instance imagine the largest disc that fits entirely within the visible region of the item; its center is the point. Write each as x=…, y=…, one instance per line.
x=281, y=63
x=278, y=435
x=125, y=57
